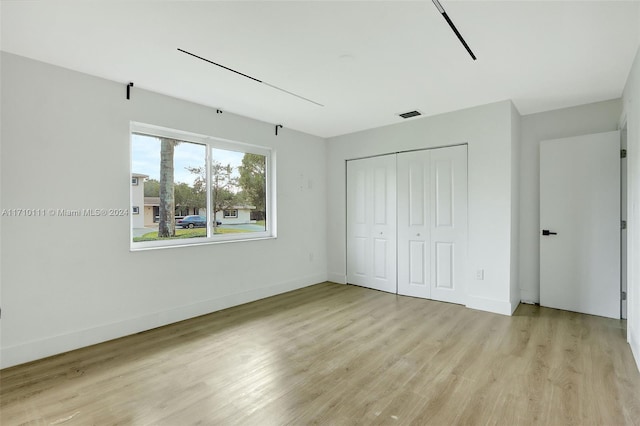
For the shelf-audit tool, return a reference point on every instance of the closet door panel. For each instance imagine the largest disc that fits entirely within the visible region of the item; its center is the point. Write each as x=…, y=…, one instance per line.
x=443, y=180
x=371, y=222
x=358, y=247
x=444, y=265
x=449, y=226
x=413, y=224
x=417, y=256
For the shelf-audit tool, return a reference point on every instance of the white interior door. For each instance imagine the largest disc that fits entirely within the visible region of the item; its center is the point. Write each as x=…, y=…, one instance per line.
x=414, y=223
x=449, y=223
x=432, y=223
x=580, y=210
x=623, y=231
x=371, y=222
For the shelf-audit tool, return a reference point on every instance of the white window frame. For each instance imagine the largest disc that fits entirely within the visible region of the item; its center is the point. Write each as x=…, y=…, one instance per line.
x=134, y=180
x=212, y=142
x=135, y=209
x=225, y=216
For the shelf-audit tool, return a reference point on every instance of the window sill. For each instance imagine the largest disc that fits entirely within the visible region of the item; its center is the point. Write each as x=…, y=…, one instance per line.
x=159, y=245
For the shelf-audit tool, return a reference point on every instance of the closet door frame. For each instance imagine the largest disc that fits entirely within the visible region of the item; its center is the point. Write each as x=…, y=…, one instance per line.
x=431, y=252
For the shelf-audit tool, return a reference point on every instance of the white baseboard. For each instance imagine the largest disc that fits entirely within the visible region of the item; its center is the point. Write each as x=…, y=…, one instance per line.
x=634, y=342
x=37, y=349
x=503, y=307
x=337, y=278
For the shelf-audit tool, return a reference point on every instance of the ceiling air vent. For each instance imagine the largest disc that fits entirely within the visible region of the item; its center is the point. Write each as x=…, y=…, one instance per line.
x=410, y=114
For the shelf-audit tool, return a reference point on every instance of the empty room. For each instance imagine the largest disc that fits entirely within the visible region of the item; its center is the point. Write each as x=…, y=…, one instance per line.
x=319, y=212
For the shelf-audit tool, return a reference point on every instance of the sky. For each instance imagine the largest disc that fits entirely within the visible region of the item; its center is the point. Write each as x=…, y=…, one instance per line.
x=145, y=158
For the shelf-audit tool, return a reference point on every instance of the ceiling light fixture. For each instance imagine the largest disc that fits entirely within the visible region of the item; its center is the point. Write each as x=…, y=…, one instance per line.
x=251, y=78
x=453, y=27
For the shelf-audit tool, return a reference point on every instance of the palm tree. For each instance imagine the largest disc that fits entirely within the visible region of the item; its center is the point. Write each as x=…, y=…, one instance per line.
x=167, y=225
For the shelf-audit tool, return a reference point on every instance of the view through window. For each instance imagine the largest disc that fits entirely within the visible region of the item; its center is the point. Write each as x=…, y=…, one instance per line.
x=196, y=189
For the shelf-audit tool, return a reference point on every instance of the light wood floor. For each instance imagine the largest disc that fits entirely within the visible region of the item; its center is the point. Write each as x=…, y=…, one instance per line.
x=335, y=354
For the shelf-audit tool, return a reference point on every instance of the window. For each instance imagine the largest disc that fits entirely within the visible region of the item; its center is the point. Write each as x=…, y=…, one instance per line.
x=230, y=214
x=134, y=181
x=193, y=183
x=135, y=210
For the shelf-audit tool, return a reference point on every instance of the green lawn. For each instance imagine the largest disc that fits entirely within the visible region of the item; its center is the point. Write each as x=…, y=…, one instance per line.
x=185, y=233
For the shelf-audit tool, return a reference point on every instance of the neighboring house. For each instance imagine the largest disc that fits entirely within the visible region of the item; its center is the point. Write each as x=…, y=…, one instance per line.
x=137, y=199
x=151, y=210
x=145, y=210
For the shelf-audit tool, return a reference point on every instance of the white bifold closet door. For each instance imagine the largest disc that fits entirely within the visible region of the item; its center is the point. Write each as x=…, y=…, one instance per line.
x=414, y=244
x=371, y=222
x=432, y=223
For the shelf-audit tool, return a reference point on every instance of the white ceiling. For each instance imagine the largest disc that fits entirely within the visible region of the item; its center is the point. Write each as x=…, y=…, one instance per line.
x=365, y=61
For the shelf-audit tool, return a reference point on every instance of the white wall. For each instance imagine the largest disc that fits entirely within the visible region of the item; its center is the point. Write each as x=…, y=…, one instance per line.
x=69, y=282
x=488, y=132
x=631, y=113
x=580, y=120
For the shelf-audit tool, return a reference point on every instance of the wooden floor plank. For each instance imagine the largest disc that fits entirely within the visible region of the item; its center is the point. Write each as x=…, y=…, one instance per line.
x=335, y=354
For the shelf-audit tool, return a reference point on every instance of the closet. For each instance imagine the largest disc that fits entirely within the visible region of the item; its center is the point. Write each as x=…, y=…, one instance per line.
x=407, y=223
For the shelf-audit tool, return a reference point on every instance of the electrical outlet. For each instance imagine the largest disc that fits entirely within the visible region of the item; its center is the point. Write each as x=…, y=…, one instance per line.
x=480, y=274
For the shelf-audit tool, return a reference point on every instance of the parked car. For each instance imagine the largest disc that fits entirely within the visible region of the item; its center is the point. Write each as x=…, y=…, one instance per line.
x=193, y=221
